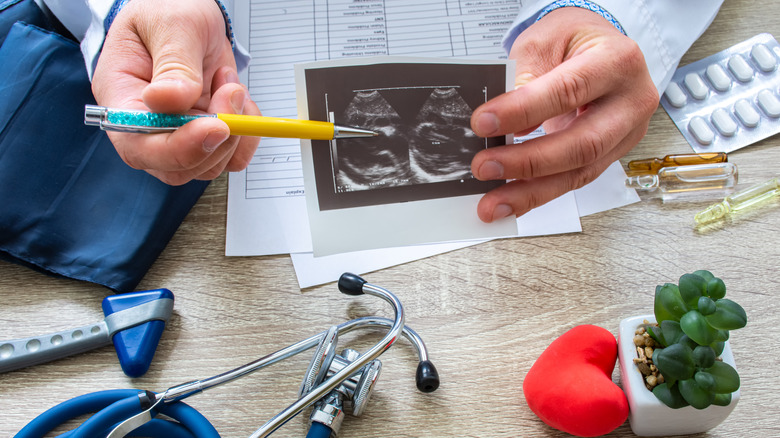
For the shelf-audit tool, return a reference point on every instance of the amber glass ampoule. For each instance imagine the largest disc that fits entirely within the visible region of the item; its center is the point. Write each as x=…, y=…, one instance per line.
x=651, y=166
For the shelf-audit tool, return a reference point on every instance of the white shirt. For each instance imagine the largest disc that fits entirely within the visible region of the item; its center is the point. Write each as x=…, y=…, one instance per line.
x=663, y=29
x=84, y=19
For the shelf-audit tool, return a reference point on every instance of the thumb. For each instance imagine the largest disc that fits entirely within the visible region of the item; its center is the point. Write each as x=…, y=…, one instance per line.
x=177, y=70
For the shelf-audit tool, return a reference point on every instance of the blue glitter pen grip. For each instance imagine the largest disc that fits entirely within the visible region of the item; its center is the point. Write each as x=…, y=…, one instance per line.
x=143, y=122
x=146, y=122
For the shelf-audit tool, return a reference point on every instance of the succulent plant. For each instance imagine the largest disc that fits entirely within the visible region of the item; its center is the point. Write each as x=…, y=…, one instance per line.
x=694, y=320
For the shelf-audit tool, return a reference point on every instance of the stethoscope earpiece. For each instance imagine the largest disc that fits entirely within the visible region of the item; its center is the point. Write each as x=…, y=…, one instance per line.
x=427, y=377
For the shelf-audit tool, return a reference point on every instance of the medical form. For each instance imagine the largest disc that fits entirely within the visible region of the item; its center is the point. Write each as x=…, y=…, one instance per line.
x=266, y=206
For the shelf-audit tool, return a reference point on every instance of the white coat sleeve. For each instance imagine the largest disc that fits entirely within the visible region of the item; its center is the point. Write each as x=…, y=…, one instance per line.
x=663, y=29
x=86, y=20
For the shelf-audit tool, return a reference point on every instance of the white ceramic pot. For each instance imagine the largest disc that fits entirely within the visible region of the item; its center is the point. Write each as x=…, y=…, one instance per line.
x=648, y=416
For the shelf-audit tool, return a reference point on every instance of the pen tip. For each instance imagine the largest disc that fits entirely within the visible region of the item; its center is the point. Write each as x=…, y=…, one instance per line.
x=350, y=132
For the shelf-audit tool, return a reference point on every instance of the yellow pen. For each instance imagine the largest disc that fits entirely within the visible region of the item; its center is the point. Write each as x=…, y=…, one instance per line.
x=145, y=122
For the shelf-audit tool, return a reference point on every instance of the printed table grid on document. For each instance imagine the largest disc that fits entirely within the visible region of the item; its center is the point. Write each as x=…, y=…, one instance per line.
x=297, y=31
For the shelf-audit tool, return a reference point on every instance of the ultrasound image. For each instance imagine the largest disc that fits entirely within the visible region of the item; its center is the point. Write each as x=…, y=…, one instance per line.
x=436, y=145
x=422, y=113
x=365, y=163
x=442, y=144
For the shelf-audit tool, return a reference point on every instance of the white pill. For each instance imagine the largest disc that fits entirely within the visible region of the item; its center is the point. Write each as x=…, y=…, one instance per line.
x=700, y=130
x=718, y=77
x=769, y=103
x=696, y=86
x=740, y=68
x=723, y=122
x=763, y=57
x=674, y=94
x=746, y=113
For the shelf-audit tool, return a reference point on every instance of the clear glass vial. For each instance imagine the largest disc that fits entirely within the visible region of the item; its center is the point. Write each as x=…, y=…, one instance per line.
x=683, y=182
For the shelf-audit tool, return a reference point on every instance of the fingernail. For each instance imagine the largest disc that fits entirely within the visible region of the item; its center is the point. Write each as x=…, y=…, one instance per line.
x=501, y=211
x=490, y=170
x=486, y=124
x=232, y=77
x=213, y=140
x=237, y=101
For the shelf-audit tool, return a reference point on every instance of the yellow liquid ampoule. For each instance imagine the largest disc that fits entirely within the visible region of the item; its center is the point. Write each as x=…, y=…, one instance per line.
x=651, y=166
x=740, y=200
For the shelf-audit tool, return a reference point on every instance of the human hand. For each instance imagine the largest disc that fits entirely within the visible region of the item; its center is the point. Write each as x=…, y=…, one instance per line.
x=162, y=57
x=588, y=85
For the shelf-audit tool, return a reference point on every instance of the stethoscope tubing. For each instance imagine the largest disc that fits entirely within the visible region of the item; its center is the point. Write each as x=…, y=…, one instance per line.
x=113, y=406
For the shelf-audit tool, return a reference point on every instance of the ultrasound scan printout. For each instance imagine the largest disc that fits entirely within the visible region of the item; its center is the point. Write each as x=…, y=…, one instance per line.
x=401, y=182
x=432, y=144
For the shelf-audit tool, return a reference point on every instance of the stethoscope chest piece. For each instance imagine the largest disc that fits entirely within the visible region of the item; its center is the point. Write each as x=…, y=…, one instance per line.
x=320, y=362
x=355, y=391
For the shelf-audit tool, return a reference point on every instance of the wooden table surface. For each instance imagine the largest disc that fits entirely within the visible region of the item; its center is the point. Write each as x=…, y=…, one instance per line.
x=485, y=312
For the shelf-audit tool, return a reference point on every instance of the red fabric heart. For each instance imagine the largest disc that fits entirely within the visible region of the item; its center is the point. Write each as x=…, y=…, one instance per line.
x=570, y=386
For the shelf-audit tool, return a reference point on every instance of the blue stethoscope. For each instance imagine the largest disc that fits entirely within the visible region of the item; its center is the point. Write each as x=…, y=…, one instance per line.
x=330, y=380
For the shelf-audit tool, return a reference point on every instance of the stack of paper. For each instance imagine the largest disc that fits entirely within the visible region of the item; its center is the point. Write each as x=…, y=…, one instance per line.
x=267, y=211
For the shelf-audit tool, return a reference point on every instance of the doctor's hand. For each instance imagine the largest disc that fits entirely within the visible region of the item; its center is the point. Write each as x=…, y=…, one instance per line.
x=162, y=57
x=588, y=85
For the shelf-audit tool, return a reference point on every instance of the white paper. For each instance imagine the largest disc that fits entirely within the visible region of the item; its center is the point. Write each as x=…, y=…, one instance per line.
x=558, y=216
x=411, y=184
x=280, y=34
x=608, y=191
x=266, y=207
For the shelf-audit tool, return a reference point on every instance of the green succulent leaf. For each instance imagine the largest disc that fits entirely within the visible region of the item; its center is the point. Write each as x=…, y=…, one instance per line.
x=692, y=287
x=718, y=347
x=694, y=394
x=716, y=288
x=657, y=334
x=722, y=399
x=697, y=328
x=721, y=335
x=728, y=315
x=706, y=306
x=675, y=362
x=670, y=396
x=726, y=377
x=703, y=356
x=707, y=275
x=705, y=380
x=668, y=303
x=685, y=340
x=671, y=331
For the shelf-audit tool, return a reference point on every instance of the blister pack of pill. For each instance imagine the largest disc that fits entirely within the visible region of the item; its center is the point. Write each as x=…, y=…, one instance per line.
x=728, y=100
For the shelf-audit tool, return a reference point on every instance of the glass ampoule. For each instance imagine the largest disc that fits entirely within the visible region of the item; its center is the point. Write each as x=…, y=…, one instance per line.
x=650, y=166
x=694, y=181
x=741, y=200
